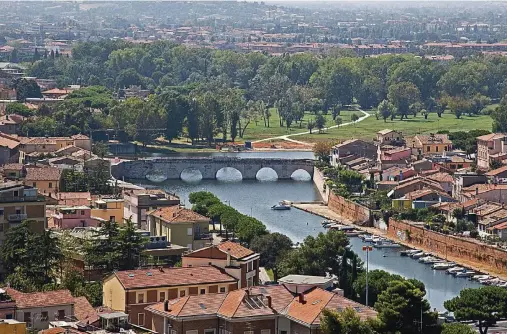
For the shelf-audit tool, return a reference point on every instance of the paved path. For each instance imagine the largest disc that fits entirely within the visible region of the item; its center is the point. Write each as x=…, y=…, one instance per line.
x=263, y=275
x=287, y=137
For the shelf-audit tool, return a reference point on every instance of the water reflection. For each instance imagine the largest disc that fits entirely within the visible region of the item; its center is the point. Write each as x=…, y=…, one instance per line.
x=191, y=175
x=229, y=174
x=266, y=174
x=301, y=175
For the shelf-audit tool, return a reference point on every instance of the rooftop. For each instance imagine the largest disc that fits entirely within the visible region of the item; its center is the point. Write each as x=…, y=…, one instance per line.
x=177, y=214
x=305, y=279
x=43, y=174
x=141, y=279
x=40, y=299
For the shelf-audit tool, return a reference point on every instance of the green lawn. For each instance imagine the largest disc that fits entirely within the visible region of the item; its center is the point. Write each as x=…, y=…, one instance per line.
x=367, y=129
x=259, y=131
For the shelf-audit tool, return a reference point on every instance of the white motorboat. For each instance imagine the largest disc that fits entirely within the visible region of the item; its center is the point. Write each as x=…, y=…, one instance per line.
x=327, y=222
x=442, y=265
x=352, y=233
x=429, y=260
x=280, y=206
x=408, y=252
x=481, y=277
x=454, y=270
x=502, y=284
x=419, y=255
x=385, y=244
x=465, y=273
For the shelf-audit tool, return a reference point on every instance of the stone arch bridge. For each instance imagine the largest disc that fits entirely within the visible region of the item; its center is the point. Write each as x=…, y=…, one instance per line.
x=171, y=168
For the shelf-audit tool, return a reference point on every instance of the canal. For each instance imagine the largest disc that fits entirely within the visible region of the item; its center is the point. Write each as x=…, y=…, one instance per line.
x=256, y=197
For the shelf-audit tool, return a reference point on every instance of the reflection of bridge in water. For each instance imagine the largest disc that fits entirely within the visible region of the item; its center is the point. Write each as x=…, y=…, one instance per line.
x=171, y=168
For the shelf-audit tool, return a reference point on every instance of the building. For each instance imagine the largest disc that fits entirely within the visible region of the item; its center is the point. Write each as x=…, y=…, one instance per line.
x=298, y=283
x=491, y=147
x=267, y=309
x=139, y=201
x=46, y=179
x=430, y=144
x=181, y=226
x=108, y=209
x=388, y=136
x=9, y=150
x=11, y=326
x=132, y=290
x=14, y=171
x=10, y=124
x=355, y=148
x=7, y=306
x=238, y=261
x=54, y=144
x=39, y=308
x=75, y=216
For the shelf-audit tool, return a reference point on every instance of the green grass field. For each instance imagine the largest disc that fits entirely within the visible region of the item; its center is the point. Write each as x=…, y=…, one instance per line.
x=259, y=131
x=367, y=129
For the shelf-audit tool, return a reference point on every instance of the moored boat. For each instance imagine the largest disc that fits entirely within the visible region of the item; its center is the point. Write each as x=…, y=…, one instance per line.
x=442, y=265
x=465, y=273
x=385, y=244
x=280, y=206
x=454, y=269
x=408, y=252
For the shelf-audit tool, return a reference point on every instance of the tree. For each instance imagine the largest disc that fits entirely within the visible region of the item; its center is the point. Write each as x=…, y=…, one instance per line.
x=485, y=305
x=102, y=250
x=402, y=95
x=249, y=228
x=386, y=109
x=310, y=125
x=338, y=121
x=499, y=116
x=457, y=328
x=322, y=150
x=320, y=122
x=378, y=281
x=19, y=109
x=459, y=105
x=176, y=107
x=14, y=57
x=401, y=305
x=26, y=89
x=272, y=247
x=344, y=322
x=354, y=118
x=130, y=245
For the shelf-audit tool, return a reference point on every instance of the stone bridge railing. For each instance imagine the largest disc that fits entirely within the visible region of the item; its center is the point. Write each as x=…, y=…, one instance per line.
x=171, y=168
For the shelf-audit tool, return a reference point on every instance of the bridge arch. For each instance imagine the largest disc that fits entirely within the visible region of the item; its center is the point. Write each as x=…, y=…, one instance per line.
x=191, y=174
x=229, y=174
x=266, y=174
x=301, y=175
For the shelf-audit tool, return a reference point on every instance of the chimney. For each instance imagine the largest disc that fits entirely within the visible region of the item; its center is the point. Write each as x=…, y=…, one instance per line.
x=268, y=298
x=302, y=298
x=166, y=306
x=476, y=191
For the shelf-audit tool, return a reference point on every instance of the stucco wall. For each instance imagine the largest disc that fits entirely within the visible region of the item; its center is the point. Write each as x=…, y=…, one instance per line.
x=352, y=211
x=318, y=180
x=448, y=246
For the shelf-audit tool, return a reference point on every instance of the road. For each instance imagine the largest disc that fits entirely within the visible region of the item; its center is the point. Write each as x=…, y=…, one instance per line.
x=287, y=137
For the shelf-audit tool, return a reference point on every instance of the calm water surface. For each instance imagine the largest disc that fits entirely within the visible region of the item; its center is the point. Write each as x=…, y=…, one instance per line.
x=256, y=198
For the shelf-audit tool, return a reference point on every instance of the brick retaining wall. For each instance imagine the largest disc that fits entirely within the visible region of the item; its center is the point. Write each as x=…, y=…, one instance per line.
x=352, y=211
x=469, y=251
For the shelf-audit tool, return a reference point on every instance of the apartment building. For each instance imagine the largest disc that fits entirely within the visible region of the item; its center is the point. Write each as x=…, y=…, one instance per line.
x=238, y=261
x=139, y=201
x=181, y=226
x=67, y=218
x=131, y=291
x=46, y=179
x=429, y=144
x=489, y=148
x=108, y=209
x=260, y=310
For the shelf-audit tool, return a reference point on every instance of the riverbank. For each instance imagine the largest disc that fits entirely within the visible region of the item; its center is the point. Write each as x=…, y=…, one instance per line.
x=324, y=211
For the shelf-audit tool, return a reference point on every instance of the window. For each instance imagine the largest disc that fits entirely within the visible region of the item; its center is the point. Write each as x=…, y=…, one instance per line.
x=82, y=212
x=27, y=317
x=1, y=212
x=265, y=331
x=222, y=289
x=140, y=298
x=112, y=219
x=182, y=293
x=436, y=149
x=8, y=316
x=427, y=148
x=44, y=316
x=453, y=166
x=161, y=296
x=209, y=331
x=16, y=193
x=50, y=185
x=189, y=231
x=173, y=331
x=194, y=331
x=140, y=319
x=460, y=166
x=34, y=184
x=248, y=332
x=61, y=314
x=283, y=332
x=203, y=291
x=249, y=266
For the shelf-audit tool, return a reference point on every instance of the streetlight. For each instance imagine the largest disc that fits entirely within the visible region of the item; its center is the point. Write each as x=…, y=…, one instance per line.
x=367, y=249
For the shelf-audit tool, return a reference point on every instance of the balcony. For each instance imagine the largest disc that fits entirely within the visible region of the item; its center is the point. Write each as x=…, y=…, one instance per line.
x=17, y=217
x=202, y=236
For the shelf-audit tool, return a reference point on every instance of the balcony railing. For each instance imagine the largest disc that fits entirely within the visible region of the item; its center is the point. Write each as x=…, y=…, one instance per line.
x=17, y=217
x=9, y=199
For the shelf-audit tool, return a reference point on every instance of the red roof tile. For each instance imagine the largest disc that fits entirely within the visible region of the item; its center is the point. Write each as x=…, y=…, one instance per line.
x=138, y=279
x=177, y=214
x=84, y=311
x=43, y=174
x=234, y=249
x=40, y=299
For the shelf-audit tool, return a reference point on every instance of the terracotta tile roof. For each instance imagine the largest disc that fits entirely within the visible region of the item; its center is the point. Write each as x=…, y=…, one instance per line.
x=177, y=214
x=441, y=177
x=491, y=136
x=231, y=303
x=340, y=303
x=497, y=171
x=41, y=299
x=433, y=139
x=13, y=166
x=235, y=250
x=43, y=174
x=54, y=330
x=57, y=91
x=84, y=311
x=41, y=141
x=8, y=142
x=501, y=226
x=136, y=279
x=80, y=136
x=309, y=311
x=385, y=131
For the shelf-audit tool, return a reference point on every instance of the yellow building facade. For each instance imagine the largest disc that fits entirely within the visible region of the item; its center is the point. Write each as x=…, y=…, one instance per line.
x=108, y=209
x=11, y=326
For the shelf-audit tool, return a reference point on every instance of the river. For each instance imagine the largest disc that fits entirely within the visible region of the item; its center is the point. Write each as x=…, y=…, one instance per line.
x=256, y=197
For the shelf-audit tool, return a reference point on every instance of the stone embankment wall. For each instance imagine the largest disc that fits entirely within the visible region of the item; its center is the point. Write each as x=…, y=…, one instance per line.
x=352, y=211
x=319, y=181
x=461, y=250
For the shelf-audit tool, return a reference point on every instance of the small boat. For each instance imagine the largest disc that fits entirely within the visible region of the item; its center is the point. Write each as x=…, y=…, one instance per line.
x=280, y=206
x=408, y=252
x=343, y=228
x=442, y=265
x=502, y=284
x=419, y=255
x=327, y=222
x=365, y=236
x=386, y=244
x=481, y=277
x=454, y=270
x=465, y=273
x=429, y=260
x=352, y=233
x=493, y=281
